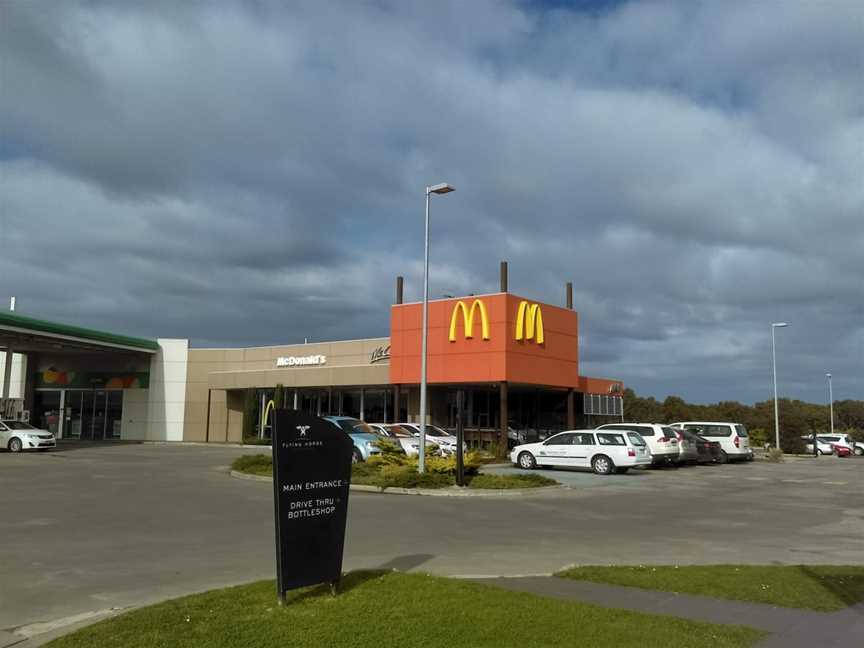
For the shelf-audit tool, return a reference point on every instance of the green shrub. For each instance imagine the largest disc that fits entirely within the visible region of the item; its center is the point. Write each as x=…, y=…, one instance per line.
x=398, y=475
x=392, y=454
x=395, y=476
x=447, y=465
x=529, y=480
x=365, y=474
x=758, y=437
x=259, y=464
x=775, y=455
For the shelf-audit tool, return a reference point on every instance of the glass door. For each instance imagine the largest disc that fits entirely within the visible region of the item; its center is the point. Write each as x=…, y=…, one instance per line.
x=46, y=411
x=73, y=413
x=86, y=414
x=113, y=414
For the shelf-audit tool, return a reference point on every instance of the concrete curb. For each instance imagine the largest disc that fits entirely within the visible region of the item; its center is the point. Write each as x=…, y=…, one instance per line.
x=451, y=491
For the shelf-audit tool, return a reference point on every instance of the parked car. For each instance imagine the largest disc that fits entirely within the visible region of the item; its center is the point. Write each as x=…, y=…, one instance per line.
x=361, y=434
x=826, y=444
x=445, y=441
x=406, y=440
x=708, y=451
x=16, y=436
x=841, y=450
x=732, y=437
x=604, y=452
x=688, y=453
x=662, y=441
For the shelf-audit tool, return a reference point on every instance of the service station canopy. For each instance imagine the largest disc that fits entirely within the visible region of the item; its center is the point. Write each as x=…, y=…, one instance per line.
x=28, y=335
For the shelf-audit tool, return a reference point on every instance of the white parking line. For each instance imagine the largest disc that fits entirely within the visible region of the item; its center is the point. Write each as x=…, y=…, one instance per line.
x=756, y=478
x=835, y=483
x=795, y=481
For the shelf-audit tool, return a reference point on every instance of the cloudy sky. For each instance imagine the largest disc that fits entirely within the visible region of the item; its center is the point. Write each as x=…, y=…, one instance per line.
x=243, y=173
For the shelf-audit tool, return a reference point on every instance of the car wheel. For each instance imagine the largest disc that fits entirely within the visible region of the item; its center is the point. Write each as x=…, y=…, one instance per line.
x=859, y=451
x=15, y=445
x=723, y=458
x=357, y=456
x=527, y=461
x=602, y=465
x=819, y=452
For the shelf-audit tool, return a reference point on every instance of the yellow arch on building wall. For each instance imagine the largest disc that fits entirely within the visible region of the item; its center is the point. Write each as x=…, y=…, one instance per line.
x=468, y=319
x=270, y=406
x=529, y=322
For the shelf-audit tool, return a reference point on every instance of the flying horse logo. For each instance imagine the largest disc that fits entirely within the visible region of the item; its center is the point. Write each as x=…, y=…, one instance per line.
x=302, y=429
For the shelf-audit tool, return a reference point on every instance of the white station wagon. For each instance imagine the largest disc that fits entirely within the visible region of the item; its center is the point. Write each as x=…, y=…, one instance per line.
x=604, y=452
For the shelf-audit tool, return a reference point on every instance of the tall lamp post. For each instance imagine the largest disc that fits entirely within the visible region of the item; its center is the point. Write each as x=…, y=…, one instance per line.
x=441, y=188
x=774, y=326
x=830, y=401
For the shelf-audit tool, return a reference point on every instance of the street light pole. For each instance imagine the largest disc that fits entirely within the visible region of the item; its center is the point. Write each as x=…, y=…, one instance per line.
x=774, y=372
x=830, y=401
x=441, y=188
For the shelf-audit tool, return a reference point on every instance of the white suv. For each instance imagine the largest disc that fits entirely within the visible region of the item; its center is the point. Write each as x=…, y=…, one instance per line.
x=732, y=437
x=662, y=440
x=603, y=452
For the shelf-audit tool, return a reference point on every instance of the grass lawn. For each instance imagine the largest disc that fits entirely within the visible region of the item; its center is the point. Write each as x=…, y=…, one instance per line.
x=815, y=587
x=402, y=477
x=381, y=610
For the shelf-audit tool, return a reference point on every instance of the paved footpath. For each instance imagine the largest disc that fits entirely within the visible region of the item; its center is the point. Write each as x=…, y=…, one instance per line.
x=789, y=628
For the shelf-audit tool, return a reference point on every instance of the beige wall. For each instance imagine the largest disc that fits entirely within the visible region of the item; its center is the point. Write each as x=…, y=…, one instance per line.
x=223, y=370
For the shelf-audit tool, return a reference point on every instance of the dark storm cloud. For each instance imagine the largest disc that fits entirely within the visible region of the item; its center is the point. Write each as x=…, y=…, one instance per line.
x=251, y=173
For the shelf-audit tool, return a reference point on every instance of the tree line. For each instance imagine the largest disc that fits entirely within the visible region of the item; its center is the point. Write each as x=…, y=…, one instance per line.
x=797, y=418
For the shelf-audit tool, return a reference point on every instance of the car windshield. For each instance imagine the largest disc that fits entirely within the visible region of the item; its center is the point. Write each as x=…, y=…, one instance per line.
x=671, y=433
x=354, y=426
x=740, y=430
x=18, y=425
x=436, y=431
x=398, y=431
x=636, y=439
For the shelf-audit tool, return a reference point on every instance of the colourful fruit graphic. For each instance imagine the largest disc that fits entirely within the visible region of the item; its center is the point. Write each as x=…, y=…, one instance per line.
x=49, y=376
x=115, y=383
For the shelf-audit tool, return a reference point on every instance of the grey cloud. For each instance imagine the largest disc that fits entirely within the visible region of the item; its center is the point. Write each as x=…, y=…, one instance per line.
x=248, y=173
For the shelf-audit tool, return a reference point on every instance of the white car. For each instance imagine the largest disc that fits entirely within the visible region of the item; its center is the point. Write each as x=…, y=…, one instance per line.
x=732, y=437
x=825, y=443
x=445, y=441
x=16, y=436
x=405, y=438
x=604, y=452
x=662, y=441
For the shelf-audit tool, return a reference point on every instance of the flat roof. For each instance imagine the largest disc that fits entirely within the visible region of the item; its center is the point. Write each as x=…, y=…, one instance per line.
x=29, y=331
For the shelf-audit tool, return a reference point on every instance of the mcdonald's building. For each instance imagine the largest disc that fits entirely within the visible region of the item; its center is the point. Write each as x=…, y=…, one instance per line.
x=515, y=359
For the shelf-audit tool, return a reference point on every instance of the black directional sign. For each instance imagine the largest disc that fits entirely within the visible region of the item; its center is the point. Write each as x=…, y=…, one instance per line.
x=311, y=478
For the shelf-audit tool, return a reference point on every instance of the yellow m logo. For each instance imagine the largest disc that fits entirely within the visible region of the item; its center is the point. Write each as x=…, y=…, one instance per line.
x=529, y=322
x=468, y=319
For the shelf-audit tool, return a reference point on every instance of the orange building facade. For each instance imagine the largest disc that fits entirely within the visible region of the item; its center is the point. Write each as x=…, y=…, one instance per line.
x=517, y=360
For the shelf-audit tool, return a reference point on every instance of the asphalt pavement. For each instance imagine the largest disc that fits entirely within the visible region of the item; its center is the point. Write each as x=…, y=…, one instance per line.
x=91, y=528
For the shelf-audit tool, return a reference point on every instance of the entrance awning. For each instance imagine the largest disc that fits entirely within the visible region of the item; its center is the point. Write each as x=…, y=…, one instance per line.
x=26, y=334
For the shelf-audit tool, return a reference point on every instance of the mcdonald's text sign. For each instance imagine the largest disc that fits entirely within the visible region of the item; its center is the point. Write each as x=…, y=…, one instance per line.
x=486, y=338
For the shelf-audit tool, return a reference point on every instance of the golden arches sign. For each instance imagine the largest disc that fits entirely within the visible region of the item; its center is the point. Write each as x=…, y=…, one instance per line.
x=529, y=323
x=270, y=406
x=468, y=319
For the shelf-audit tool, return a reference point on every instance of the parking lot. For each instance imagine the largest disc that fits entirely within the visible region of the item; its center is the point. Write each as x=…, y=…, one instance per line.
x=827, y=472
x=89, y=528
